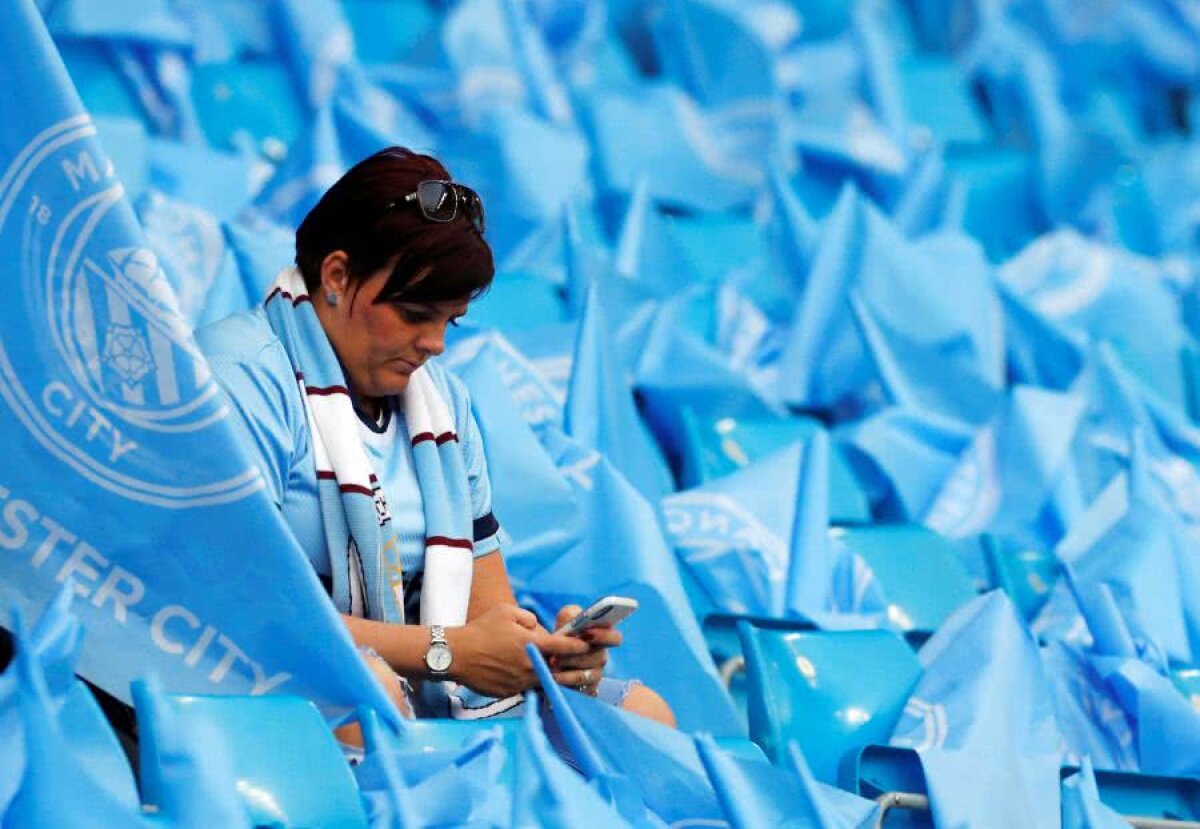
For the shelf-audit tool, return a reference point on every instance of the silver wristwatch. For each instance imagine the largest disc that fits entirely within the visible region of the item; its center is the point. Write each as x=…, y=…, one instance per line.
x=438, y=658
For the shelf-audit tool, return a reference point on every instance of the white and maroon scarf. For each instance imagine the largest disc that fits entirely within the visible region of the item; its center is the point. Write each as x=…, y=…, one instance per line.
x=364, y=550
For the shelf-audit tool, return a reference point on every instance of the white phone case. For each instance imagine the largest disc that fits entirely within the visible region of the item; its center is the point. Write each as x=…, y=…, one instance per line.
x=605, y=612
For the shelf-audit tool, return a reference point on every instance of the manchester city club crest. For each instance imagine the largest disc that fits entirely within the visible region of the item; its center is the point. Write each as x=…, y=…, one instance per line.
x=96, y=361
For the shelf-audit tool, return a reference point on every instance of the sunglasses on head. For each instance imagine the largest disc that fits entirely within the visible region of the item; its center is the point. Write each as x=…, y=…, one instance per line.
x=440, y=201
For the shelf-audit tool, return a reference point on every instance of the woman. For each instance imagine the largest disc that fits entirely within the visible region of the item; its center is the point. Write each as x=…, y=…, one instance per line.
x=371, y=452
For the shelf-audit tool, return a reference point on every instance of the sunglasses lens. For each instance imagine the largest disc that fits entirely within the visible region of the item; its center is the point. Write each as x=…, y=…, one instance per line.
x=473, y=205
x=437, y=200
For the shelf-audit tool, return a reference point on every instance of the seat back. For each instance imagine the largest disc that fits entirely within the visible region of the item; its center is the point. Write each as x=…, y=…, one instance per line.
x=1148, y=795
x=289, y=769
x=438, y=736
x=1187, y=680
x=716, y=446
x=921, y=573
x=1024, y=573
x=830, y=691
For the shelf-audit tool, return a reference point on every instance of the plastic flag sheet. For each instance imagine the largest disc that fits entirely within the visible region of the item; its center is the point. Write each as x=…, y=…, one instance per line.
x=818, y=314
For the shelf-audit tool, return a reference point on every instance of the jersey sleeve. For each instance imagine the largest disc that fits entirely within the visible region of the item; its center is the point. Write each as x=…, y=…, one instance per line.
x=488, y=535
x=263, y=416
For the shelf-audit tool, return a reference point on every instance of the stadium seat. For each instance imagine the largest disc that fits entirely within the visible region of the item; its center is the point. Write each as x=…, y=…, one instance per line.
x=1187, y=680
x=725, y=647
x=832, y=692
x=1148, y=795
x=1148, y=799
x=920, y=572
x=290, y=771
x=1189, y=358
x=715, y=446
x=255, y=98
x=937, y=97
x=1024, y=573
x=878, y=770
x=443, y=735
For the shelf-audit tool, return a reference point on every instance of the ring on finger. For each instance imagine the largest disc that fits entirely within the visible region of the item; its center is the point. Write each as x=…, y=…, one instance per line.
x=587, y=677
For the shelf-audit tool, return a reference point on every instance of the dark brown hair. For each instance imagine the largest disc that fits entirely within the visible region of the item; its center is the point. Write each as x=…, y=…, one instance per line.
x=364, y=214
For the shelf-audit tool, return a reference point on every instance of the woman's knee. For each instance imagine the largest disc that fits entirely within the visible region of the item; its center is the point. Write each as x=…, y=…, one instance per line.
x=647, y=703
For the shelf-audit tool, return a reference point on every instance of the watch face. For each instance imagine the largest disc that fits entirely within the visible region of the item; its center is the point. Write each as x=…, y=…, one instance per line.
x=438, y=658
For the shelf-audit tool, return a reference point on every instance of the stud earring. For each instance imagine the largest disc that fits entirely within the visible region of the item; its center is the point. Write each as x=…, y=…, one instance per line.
x=332, y=298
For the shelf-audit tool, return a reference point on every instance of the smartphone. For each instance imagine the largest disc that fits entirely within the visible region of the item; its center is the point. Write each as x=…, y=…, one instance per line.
x=604, y=613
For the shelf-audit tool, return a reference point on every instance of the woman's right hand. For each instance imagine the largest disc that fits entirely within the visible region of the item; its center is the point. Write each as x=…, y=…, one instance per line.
x=489, y=651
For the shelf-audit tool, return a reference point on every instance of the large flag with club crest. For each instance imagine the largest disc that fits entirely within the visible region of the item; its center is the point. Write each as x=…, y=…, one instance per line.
x=120, y=470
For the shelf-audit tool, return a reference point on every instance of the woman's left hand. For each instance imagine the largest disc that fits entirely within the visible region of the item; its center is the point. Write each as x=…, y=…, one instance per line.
x=583, y=672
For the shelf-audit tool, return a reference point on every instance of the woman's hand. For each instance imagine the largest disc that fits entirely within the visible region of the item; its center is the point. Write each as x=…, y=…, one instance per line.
x=583, y=671
x=489, y=651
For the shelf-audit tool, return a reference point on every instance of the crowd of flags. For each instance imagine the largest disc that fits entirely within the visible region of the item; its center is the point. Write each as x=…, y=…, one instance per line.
x=947, y=248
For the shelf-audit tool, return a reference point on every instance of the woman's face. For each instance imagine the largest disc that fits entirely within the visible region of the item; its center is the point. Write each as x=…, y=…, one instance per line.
x=382, y=344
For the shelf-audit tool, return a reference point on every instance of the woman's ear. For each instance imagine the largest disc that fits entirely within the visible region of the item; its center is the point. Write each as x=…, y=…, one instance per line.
x=335, y=275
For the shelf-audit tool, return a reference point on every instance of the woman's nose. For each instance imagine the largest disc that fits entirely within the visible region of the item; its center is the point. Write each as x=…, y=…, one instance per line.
x=433, y=340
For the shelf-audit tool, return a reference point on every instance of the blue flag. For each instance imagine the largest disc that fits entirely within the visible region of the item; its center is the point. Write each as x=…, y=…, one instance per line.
x=52, y=647
x=923, y=378
x=1106, y=293
x=453, y=787
x=647, y=252
x=734, y=534
x=756, y=795
x=650, y=778
x=1089, y=714
x=501, y=60
x=537, y=507
x=681, y=367
x=493, y=158
x=1003, y=480
x=1130, y=543
x=699, y=159
x=722, y=52
x=827, y=363
x=623, y=552
x=903, y=458
x=981, y=722
x=258, y=246
x=601, y=413
x=191, y=248
x=1040, y=353
x=546, y=791
x=1166, y=724
x=124, y=475
x=55, y=788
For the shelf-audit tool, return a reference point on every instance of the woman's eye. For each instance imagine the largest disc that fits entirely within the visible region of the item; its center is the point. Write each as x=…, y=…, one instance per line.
x=454, y=321
x=414, y=317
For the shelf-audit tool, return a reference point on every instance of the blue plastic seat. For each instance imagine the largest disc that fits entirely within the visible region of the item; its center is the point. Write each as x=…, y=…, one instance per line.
x=880, y=769
x=921, y=573
x=876, y=770
x=1025, y=574
x=1189, y=359
x=937, y=96
x=832, y=692
x=715, y=446
x=256, y=97
x=1148, y=795
x=1187, y=680
x=290, y=771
